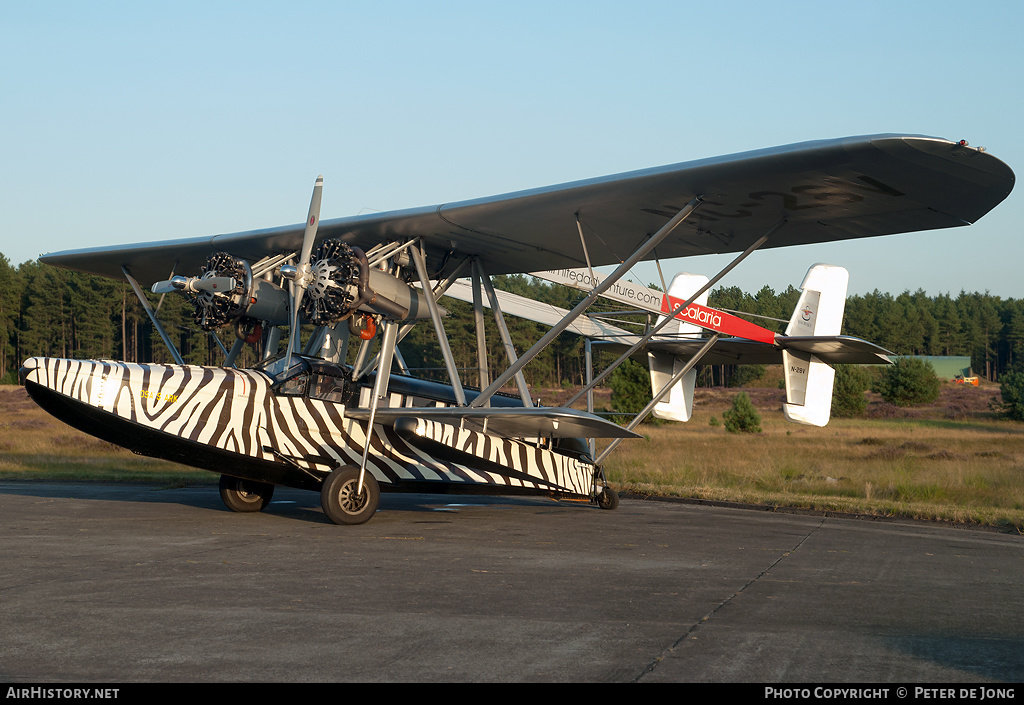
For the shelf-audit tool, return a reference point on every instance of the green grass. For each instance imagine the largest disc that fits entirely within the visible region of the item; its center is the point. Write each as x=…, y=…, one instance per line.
x=969, y=469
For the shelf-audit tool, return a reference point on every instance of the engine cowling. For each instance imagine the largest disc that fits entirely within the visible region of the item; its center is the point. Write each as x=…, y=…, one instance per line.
x=215, y=309
x=254, y=299
x=342, y=283
x=338, y=283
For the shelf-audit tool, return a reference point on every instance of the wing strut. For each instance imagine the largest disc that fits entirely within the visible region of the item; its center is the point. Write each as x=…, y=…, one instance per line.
x=229, y=359
x=478, y=321
x=583, y=243
x=671, y=316
x=588, y=354
x=152, y=315
x=556, y=330
x=435, y=315
x=506, y=337
x=380, y=387
x=362, y=367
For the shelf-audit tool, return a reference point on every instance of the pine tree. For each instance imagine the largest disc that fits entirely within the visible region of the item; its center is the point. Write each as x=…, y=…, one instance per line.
x=908, y=382
x=1011, y=387
x=631, y=387
x=10, y=294
x=848, y=398
x=742, y=417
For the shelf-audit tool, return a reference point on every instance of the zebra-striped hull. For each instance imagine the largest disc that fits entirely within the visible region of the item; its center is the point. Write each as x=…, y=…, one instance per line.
x=231, y=422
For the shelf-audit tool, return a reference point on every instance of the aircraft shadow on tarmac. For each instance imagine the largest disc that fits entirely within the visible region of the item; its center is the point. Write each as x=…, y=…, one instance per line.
x=983, y=656
x=297, y=504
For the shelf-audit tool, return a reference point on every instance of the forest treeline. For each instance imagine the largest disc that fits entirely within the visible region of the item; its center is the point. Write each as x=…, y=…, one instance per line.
x=55, y=312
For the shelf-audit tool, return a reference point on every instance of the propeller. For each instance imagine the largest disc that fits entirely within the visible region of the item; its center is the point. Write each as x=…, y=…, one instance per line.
x=300, y=274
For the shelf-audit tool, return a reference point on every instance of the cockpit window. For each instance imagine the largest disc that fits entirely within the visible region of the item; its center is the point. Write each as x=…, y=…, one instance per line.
x=328, y=388
x=294, y=386
x=274, y=366
x=316, y=378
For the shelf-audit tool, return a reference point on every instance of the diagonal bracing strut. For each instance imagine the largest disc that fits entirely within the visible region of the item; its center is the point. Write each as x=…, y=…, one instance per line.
x=442, y=339
x=556, y=330
x=503, y=332
x=672, y=314
x=152, y=315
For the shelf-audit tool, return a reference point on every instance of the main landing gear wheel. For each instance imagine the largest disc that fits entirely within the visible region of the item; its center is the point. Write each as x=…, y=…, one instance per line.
x=608, y=499
x=245, y=495
x=339, y=500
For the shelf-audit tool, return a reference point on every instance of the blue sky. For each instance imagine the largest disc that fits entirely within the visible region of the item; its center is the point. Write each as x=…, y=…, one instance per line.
x=132, y=121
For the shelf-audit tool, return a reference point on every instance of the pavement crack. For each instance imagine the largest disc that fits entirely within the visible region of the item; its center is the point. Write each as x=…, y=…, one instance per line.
x=703, y=620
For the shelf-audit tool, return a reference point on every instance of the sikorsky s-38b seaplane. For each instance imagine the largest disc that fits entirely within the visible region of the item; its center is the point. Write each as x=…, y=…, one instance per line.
x=307, y=417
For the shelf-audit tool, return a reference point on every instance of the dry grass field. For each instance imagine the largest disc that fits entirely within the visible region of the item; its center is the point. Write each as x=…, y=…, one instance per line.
x=34, y=445
x=954, y=461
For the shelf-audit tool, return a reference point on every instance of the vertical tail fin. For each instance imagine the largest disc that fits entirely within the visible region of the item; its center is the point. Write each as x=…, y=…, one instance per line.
x=677, y=405
x=819, y=311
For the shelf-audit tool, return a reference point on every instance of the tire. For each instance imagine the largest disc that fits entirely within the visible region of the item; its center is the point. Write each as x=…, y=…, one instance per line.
x=245, y=495
x=338, y=496
x=608, y=499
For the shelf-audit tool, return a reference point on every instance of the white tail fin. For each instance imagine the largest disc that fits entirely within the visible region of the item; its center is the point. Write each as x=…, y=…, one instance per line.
x=818, y=312
x=677, y=405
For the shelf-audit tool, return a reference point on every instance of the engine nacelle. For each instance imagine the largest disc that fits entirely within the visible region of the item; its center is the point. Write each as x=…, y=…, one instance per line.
x=341, y=283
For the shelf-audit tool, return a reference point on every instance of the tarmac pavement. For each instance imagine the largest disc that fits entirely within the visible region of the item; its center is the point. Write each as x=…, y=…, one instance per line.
x=136, y=583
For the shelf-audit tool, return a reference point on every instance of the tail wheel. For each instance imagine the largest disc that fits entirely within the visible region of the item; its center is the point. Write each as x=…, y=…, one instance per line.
x=245, y=495
x=339, y=499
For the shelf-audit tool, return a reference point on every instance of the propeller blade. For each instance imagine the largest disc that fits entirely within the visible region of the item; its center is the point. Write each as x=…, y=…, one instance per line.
x=301, y=280
x=164, y=287
x=215, y=285
x=175, y=283
x=312, y=221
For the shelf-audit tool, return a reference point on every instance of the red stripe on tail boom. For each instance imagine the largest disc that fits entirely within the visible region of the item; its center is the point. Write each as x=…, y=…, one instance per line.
x=718, y=321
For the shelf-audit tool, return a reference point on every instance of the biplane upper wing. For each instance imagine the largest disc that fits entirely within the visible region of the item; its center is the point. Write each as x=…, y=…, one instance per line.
x=824, y=190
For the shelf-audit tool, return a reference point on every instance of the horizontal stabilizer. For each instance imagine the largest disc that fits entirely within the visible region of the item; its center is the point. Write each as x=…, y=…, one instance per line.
x=834, y=350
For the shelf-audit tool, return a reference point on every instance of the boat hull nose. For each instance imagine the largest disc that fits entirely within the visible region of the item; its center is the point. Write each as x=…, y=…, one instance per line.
x=29, y=370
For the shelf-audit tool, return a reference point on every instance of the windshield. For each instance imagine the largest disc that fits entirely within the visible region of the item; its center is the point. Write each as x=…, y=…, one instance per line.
x=317, y=379
x=274, y=367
